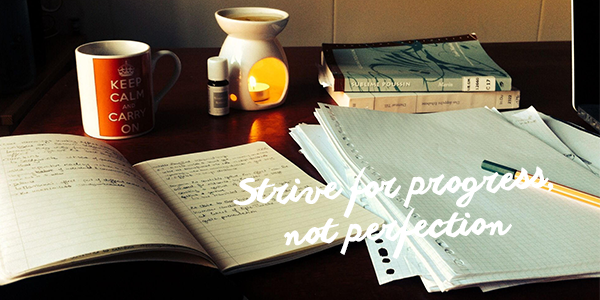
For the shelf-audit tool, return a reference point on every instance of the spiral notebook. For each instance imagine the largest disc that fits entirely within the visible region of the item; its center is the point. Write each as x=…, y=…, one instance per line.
x=540, y=244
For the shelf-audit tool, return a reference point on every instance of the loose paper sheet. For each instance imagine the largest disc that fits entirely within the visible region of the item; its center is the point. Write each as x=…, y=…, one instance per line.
x=455, y=144
x=531, y=121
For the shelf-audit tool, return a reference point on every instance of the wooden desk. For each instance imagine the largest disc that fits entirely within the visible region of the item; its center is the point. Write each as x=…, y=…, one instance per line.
x=541, y=70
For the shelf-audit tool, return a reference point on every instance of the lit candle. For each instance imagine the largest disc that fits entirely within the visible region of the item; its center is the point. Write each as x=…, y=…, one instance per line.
x=258, y=91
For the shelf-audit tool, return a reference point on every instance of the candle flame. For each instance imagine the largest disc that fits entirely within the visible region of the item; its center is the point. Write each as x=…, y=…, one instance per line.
x=252, y=82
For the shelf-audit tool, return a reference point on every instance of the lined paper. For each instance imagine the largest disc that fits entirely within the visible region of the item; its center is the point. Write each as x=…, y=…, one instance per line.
x=200, y=189
x=551, y=236
x=68, y=198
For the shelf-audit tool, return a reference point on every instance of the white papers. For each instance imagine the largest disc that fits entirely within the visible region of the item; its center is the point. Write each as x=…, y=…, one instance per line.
x=540, y=244
x=389, y=268
x=582, y=143
x=589, y=146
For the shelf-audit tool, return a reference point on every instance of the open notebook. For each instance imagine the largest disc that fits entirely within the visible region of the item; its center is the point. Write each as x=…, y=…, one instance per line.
x=69, y=201
x=551, y=237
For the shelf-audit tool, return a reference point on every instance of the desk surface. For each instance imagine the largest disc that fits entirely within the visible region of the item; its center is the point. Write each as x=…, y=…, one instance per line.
x=542, y=71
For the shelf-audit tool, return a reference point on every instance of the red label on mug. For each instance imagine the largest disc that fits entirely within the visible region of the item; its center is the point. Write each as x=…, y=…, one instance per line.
x=124, y=95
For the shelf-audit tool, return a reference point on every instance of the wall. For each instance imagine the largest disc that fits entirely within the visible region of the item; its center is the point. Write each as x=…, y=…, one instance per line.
x=188, y=23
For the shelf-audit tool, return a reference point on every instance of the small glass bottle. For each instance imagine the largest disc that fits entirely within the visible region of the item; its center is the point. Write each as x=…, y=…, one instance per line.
x=218, y=86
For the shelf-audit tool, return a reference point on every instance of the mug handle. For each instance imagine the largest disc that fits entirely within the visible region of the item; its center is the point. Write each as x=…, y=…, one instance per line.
x=174, y=77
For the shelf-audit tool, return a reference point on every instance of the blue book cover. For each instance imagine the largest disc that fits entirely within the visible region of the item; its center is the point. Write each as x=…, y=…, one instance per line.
x=456, y=63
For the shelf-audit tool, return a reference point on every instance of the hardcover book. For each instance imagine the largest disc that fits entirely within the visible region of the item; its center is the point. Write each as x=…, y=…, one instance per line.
x=457, y=63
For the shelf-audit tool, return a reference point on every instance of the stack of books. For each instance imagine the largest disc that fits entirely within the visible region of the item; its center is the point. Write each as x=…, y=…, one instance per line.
x=416, y=76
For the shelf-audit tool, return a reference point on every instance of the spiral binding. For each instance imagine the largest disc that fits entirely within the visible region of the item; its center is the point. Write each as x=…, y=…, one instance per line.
x=349, y=146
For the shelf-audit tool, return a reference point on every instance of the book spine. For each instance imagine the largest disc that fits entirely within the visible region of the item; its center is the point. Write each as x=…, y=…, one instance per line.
x=381, y=84
x=367, y=103
x=369, y=83
x=508, y=99
x=433, y=102
x=400, y=103
x=360, y=83
x=361, y=100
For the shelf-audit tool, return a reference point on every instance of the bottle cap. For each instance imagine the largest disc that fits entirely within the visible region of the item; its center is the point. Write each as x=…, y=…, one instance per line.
x=217, y=68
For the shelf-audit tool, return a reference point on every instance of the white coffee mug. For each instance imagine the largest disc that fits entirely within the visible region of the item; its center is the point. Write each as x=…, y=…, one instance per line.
x=115, y=87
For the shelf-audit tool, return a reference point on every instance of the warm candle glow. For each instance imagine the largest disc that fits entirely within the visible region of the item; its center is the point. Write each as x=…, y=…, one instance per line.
x=258, y=91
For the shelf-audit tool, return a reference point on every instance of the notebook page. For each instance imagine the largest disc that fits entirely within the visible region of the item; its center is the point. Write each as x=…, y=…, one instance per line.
x=200, y=189
x=541, y=241
x=531, y=121
x=65, y=196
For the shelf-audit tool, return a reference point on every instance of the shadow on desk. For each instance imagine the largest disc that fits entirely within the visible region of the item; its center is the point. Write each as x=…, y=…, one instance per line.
x=132, y=280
